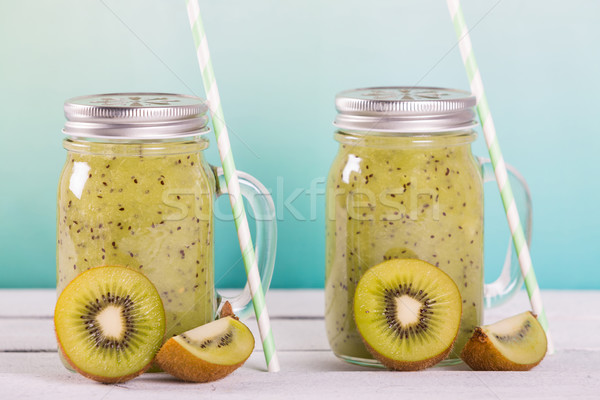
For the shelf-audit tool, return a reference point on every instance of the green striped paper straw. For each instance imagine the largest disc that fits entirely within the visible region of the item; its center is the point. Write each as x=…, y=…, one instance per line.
x=485, y=116
x=233, y=185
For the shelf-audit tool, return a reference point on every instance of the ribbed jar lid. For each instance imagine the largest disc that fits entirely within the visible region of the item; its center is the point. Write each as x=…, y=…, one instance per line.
x=135, y=116
x=405, y=109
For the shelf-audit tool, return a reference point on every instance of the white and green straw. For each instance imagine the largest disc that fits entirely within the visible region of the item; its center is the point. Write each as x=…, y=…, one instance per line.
x=233, y=185
x=489, y=131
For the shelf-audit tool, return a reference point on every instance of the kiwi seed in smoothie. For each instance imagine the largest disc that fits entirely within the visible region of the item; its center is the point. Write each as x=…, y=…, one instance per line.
x=146, y=206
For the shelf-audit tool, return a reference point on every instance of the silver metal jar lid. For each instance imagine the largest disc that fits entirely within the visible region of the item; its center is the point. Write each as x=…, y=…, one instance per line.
x=135, y=116
x=405, y=109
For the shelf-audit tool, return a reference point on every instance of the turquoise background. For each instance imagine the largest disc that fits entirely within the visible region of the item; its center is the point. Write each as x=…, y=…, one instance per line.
x=279, y=65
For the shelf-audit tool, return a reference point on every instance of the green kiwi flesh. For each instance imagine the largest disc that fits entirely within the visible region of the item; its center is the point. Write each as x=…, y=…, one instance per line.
x=109, y=323
x=517, y=343
x=208, y=352
x=407, y=312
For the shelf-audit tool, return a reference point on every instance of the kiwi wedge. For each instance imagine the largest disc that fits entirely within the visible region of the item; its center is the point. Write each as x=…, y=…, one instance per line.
x=109, y=323
x=208, y=352
x=517, y=343
x=407, y=312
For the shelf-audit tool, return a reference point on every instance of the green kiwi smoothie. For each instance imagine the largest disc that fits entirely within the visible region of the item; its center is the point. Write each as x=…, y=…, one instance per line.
x=397, y=196
x=147, y=206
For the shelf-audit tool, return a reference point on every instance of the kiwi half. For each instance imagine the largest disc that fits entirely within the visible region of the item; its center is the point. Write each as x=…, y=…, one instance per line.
x=517, y=343
x=408, y=313
x=109, y=323
x=208, y=352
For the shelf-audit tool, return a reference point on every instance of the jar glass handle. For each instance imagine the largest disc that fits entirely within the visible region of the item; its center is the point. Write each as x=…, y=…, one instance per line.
x=262, y=206
x=510, y=279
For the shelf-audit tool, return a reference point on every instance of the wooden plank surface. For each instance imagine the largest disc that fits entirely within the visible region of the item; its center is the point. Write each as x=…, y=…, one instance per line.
x=29, y=365
x=315, y=374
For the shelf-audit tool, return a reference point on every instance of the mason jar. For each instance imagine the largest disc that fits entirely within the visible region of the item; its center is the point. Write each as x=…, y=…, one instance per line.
x=404, y=184
x=136, y=191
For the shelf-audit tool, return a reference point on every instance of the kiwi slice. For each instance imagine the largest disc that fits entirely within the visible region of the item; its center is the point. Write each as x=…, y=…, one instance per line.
x=109, y=323
x=408, y=313
x=208, y=352
x=517, y=343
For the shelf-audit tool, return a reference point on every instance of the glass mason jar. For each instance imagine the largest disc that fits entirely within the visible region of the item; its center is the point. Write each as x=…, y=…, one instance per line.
x=404, y=184
x=136, y=191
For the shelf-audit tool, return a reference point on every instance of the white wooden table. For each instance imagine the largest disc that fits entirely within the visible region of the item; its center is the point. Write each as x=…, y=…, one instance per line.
x=30, y=368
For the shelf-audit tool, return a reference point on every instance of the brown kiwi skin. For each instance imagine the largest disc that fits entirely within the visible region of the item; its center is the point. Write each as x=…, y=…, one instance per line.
x=227, y=311
x=398, y=365
x=178, y=362
x=480, y=354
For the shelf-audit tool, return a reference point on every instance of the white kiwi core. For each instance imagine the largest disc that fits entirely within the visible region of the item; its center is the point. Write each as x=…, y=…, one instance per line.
x=111, y=322
x=408, y=310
